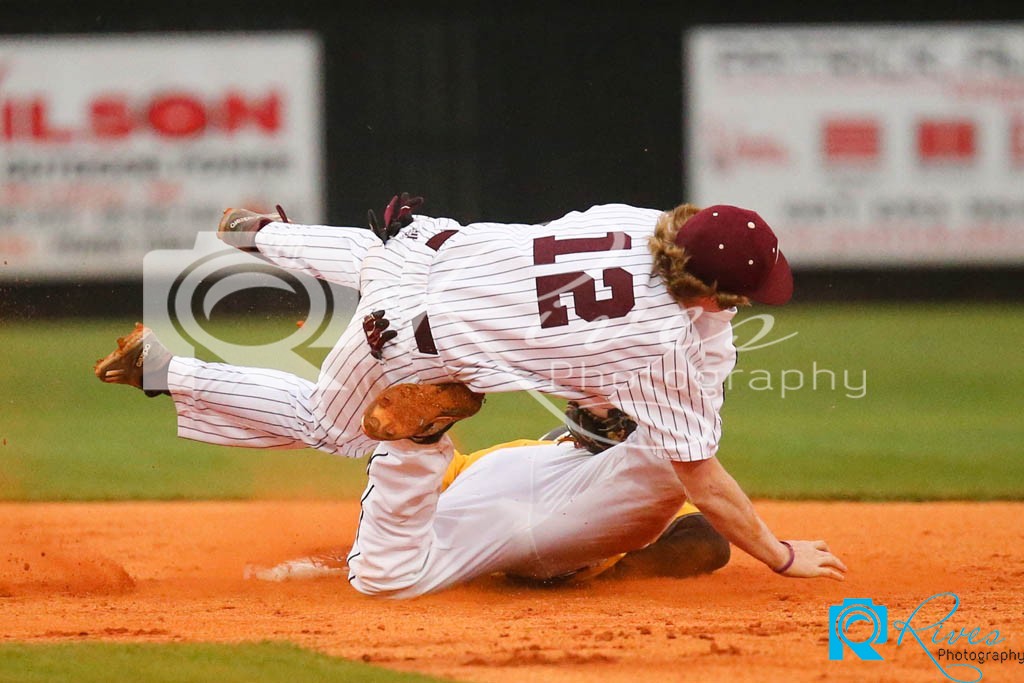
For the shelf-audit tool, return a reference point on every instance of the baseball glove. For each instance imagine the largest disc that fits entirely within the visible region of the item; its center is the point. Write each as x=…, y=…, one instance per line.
x=238, y=227
x=595, y=433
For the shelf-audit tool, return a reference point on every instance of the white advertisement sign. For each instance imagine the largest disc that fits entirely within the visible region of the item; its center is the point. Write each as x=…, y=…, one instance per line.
x=111, y=147
x=864, y=145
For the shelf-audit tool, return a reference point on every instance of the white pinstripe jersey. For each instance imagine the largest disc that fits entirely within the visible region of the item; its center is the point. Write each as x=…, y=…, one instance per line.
x=573, y=309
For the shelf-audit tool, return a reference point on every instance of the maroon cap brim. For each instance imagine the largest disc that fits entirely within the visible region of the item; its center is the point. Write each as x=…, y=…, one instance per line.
x=778, y=286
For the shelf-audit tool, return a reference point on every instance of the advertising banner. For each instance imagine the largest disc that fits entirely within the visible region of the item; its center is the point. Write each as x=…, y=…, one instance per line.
x=111, y=147
x=864, y=145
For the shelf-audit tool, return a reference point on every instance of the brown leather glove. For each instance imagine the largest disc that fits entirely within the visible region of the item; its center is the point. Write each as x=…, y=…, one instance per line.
x=595, y=433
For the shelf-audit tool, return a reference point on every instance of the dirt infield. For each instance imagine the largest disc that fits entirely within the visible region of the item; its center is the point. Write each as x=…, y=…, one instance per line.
x=173, y=572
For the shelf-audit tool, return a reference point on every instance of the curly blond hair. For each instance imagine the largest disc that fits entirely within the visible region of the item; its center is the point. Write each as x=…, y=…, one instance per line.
x=670, y=262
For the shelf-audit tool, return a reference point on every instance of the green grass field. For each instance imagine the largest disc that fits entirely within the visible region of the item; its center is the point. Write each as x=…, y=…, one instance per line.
x=201, y=663
x=911, y=402
x=855, y=402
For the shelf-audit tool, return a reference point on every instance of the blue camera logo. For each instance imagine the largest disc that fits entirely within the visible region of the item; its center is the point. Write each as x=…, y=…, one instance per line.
x=852, y=610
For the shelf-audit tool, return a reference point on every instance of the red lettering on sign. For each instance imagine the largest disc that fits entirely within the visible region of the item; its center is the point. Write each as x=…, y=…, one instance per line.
x=177, y=115
x=239, y=111
x=7, y=120
x=172, y=115
x=42, y=130
x=111, y=118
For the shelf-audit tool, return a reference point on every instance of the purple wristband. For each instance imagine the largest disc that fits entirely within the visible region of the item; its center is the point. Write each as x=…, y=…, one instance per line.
x=789, y=562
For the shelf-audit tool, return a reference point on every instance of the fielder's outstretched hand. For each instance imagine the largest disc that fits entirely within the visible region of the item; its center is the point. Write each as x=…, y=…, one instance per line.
x=811, y=559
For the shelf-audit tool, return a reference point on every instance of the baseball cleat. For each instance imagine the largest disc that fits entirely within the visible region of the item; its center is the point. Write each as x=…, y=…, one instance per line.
x=139, y=360
x=421, y=412
x=238, y=227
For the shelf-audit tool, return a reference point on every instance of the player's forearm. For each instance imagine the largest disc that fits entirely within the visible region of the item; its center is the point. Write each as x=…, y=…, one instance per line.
x=727, y=507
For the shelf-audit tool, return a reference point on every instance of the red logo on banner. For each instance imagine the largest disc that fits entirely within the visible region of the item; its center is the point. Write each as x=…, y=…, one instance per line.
x=857, y=140
x=731, y=147
x=946, y=140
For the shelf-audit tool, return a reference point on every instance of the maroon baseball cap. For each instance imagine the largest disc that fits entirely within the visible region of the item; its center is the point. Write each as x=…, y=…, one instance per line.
x=735, y=248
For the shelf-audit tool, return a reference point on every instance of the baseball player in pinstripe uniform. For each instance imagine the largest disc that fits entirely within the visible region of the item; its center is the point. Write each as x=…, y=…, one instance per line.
x=616, y=307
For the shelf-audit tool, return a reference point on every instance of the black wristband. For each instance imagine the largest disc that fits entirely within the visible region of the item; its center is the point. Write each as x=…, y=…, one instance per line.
x=789, y=563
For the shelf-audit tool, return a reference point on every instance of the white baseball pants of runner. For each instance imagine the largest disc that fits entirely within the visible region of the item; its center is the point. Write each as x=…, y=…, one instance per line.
x=265, y=408
x=538, y=511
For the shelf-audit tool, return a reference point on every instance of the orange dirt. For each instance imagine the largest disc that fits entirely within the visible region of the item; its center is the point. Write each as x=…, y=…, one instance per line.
x=173, y=572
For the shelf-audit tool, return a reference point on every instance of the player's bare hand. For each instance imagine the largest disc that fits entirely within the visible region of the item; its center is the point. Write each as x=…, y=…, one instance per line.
x=813, y=559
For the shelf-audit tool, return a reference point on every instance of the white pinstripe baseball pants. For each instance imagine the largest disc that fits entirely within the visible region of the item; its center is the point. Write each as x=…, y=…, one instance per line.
x=537, y=511
x=264, y=408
